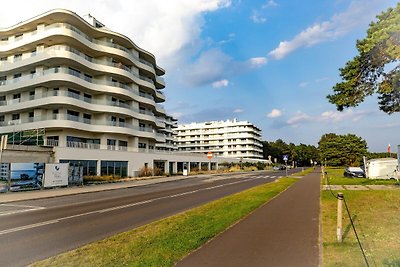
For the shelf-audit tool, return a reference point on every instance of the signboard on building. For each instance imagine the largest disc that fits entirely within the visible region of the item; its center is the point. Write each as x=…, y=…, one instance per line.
x=56, y=174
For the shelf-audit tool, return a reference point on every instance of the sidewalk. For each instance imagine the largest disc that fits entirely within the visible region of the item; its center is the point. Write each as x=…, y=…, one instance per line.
x=283, y=232
x=65, y=191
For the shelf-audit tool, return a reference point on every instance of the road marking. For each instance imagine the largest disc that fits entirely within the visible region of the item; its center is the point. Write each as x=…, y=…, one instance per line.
x=30, y=226
x=25, y=208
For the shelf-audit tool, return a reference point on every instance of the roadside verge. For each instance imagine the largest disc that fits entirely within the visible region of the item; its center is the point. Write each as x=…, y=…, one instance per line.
x=164, y=242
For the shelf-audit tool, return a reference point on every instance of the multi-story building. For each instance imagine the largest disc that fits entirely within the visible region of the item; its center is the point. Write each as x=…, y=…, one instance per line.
x=230, y=139
x=70, y=83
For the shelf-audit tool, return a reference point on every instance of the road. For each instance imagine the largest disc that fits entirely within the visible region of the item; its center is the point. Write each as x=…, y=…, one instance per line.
x=38, y=229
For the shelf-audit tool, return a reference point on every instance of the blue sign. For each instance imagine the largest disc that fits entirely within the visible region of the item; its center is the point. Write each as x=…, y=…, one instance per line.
x=285, y=157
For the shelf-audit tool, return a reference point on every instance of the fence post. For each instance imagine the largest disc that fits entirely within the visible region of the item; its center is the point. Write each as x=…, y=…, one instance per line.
x=339, y=228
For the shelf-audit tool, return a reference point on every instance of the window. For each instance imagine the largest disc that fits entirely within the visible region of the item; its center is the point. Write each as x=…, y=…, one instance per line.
x=114, y=168
x=56, y=91
x=142, y=145
x=3, y=58
x=111, y=144
x=87, y=118
x=17, y=57
x=17, y=75
x=87, y=98
x=89, y=166
x=31, y=115
x=72, y=115
x=88, y=77
x=122, y=143
x=16, y=96
x=2, y=118
x=15, y=116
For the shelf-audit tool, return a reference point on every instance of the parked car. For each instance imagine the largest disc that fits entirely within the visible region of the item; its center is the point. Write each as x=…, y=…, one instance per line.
x=354, y=172
x=279, y=168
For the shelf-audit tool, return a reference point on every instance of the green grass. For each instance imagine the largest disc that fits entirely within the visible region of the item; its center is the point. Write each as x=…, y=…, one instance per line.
x=335, y=175
x=165, y=242
x=377, y=221
x=304, y=172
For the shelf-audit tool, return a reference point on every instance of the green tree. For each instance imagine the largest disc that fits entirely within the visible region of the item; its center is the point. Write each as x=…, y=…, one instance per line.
x=375, y=69
x=342, y=150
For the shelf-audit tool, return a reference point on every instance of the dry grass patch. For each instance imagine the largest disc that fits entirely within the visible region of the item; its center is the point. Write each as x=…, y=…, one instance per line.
x=376, y=216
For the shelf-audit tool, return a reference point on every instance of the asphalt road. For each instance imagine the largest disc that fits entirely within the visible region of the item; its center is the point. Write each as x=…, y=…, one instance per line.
x=38, y=229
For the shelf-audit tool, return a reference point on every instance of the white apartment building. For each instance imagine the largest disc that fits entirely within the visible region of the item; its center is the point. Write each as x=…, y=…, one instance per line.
x=93, y=94
x=229, y=139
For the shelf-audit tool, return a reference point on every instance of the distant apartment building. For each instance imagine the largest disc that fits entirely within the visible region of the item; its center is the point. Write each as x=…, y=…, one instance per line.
x=231, y=139
x=70, y=83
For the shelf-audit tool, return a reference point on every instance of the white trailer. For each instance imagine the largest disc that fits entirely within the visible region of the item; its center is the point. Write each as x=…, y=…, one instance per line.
x=385, y=168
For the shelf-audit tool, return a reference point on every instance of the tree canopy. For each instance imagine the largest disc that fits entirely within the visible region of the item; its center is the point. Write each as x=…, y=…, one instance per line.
x=301, y=154
x=342, y=150
x=375, y=69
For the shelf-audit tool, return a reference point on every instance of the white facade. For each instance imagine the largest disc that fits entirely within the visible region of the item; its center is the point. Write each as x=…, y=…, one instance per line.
x=86, y=86
x=92, y=93
x=229, y=139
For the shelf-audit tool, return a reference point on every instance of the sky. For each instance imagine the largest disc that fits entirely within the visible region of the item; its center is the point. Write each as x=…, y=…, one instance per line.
x=269, y=62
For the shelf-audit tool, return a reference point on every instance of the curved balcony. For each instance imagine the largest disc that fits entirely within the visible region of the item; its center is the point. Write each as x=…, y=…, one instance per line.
x=67, y=30
x=66, y=75
x=60, y=121
x=68, y=53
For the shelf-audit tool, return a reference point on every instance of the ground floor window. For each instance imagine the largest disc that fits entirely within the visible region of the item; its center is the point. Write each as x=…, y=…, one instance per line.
x=89, y=166
x=114, y=168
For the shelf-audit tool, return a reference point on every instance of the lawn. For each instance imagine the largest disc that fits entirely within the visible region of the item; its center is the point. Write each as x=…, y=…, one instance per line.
x=165, y=242
x=376, y=215
x=335, y=176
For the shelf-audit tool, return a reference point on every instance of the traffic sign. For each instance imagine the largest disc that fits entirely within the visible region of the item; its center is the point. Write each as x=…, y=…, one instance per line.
x=285, y=157
x=209, y=155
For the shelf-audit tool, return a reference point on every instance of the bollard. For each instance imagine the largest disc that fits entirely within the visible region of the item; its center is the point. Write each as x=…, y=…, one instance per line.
x=339, y=228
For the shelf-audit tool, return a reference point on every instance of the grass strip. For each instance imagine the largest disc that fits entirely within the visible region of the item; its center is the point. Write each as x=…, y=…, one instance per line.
x=335, y=175
x=376, y=217
x=304, y=172
x=164, y=242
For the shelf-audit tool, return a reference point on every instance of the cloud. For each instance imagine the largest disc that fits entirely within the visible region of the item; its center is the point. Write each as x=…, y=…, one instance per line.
x=257, y=18
x=303, y=84
x=238, y=110
x=299, y=117
x=336, y=116
x=214, y=65
x=257, y=62
x=221, y=83
x=270, y=3
x=275, y=113
x=181, y=19
x=358, y=13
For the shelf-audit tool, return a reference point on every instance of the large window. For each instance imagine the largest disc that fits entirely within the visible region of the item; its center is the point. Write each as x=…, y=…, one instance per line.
x=114, y=168
x=89, y=166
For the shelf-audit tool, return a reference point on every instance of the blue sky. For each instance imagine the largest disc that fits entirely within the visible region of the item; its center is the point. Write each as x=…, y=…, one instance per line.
x=268, y=62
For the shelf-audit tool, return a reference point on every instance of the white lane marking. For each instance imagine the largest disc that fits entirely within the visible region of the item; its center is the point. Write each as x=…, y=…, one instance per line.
x=30, y=226
x=25, y=208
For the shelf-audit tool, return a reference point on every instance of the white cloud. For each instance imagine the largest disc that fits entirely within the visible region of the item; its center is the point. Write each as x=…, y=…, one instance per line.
x=258, y=61
x=349, y=114
x=303, y=84
x=257, y=18
x=299, y=117
x=270, y=3
x=177, y=115
x=221, y=83
x=358, y=13
x=238, y=110
x=275, y=113
x=150, y=24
